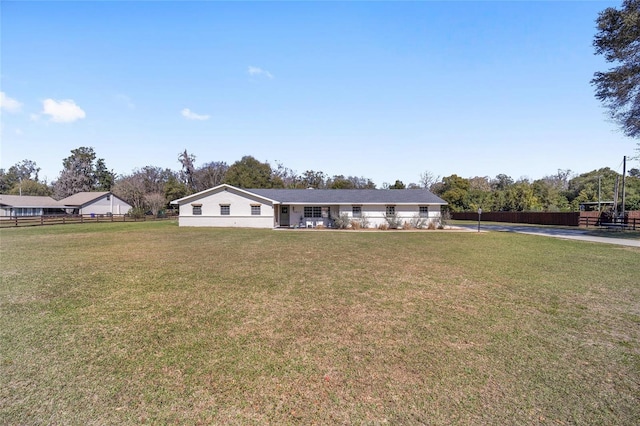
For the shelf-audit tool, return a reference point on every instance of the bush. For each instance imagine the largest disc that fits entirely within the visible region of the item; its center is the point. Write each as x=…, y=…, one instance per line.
x=361, y=222
x=445, y=217
x=394, y=221
x=419, y=222
x=342, y=221
x=383, y=226
x=364, y=221
x=137, y=212
x=406, y=225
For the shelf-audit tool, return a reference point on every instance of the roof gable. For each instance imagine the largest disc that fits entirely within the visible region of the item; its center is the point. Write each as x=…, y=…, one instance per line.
x=219, y=188
x=82, y=198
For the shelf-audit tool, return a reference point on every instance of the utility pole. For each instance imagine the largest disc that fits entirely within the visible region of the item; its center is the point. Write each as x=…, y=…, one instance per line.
x=599, y=184
x=615, y=199
x=624, y=172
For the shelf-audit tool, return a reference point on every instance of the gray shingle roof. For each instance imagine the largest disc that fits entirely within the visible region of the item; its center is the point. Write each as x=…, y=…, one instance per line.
x=349, y=196
x=82, y=198
x=29, y=201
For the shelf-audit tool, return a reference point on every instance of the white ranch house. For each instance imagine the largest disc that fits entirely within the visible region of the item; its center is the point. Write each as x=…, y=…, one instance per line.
x=228, y=206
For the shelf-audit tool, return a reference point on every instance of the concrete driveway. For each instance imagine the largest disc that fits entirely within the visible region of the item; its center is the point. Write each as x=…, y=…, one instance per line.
x=569, y=234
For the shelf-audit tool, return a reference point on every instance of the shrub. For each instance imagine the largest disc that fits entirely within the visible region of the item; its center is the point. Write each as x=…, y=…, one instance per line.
x=419, y=222
x=355, y=224
x=383, y=226
x=432, y=225
x=363, y=221
x=445, y=217
x=406, y=225
x=137, y=212
x=393, y=221
x=342, y=221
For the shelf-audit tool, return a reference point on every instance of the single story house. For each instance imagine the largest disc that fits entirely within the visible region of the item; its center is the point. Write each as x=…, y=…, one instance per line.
x=28, y=205
x=228, y=206
x=95, y=203
x=100, y=203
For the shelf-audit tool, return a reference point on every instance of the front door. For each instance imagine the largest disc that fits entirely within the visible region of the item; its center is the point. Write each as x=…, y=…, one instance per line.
x=284, y=215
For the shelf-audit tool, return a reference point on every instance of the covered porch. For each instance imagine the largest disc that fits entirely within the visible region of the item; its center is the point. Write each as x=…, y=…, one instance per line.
x=305, y=215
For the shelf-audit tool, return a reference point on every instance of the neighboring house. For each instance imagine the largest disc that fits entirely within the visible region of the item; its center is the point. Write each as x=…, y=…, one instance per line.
x=228, y=206
x=28, y=205
x=95, y=203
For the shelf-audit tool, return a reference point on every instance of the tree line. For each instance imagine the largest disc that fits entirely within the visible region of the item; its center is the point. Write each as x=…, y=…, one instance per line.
x=562, y=191
x=151, y=188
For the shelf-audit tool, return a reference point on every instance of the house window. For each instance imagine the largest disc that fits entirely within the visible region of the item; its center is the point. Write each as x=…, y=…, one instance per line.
x=197, y=210
x=391, y=210
x=424, y=211
x=255, y=210
x=356, y=211
x=313, y=211
x=225, y=209
x=27, y=211
x=108, y=197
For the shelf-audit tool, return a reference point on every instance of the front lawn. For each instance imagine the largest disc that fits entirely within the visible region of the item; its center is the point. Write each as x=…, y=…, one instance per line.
x=130, y=323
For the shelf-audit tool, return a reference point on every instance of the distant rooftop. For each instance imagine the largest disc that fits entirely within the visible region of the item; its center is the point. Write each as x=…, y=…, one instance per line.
x=31, y=201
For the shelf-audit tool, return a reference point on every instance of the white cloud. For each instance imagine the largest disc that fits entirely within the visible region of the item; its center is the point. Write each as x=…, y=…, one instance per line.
x=34, y=117
x=19, y=132
x=65, y=111
x=259, y=72
x=9, y=104
x=190, y=115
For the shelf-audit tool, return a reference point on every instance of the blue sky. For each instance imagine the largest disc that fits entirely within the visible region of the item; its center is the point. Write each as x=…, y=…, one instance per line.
x=384, y=90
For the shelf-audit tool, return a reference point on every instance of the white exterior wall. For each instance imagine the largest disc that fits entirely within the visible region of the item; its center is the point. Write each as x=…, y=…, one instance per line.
x=227, y=221
x=103, y=206
x=240, y=211
x=376, y=214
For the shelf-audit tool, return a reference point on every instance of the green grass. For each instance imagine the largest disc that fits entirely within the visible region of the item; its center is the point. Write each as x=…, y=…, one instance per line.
x=133, y=323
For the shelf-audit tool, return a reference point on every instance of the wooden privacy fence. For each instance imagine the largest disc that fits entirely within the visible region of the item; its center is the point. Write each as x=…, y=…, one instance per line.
x=14, y=221
x=632, y=218
x=538, y=218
